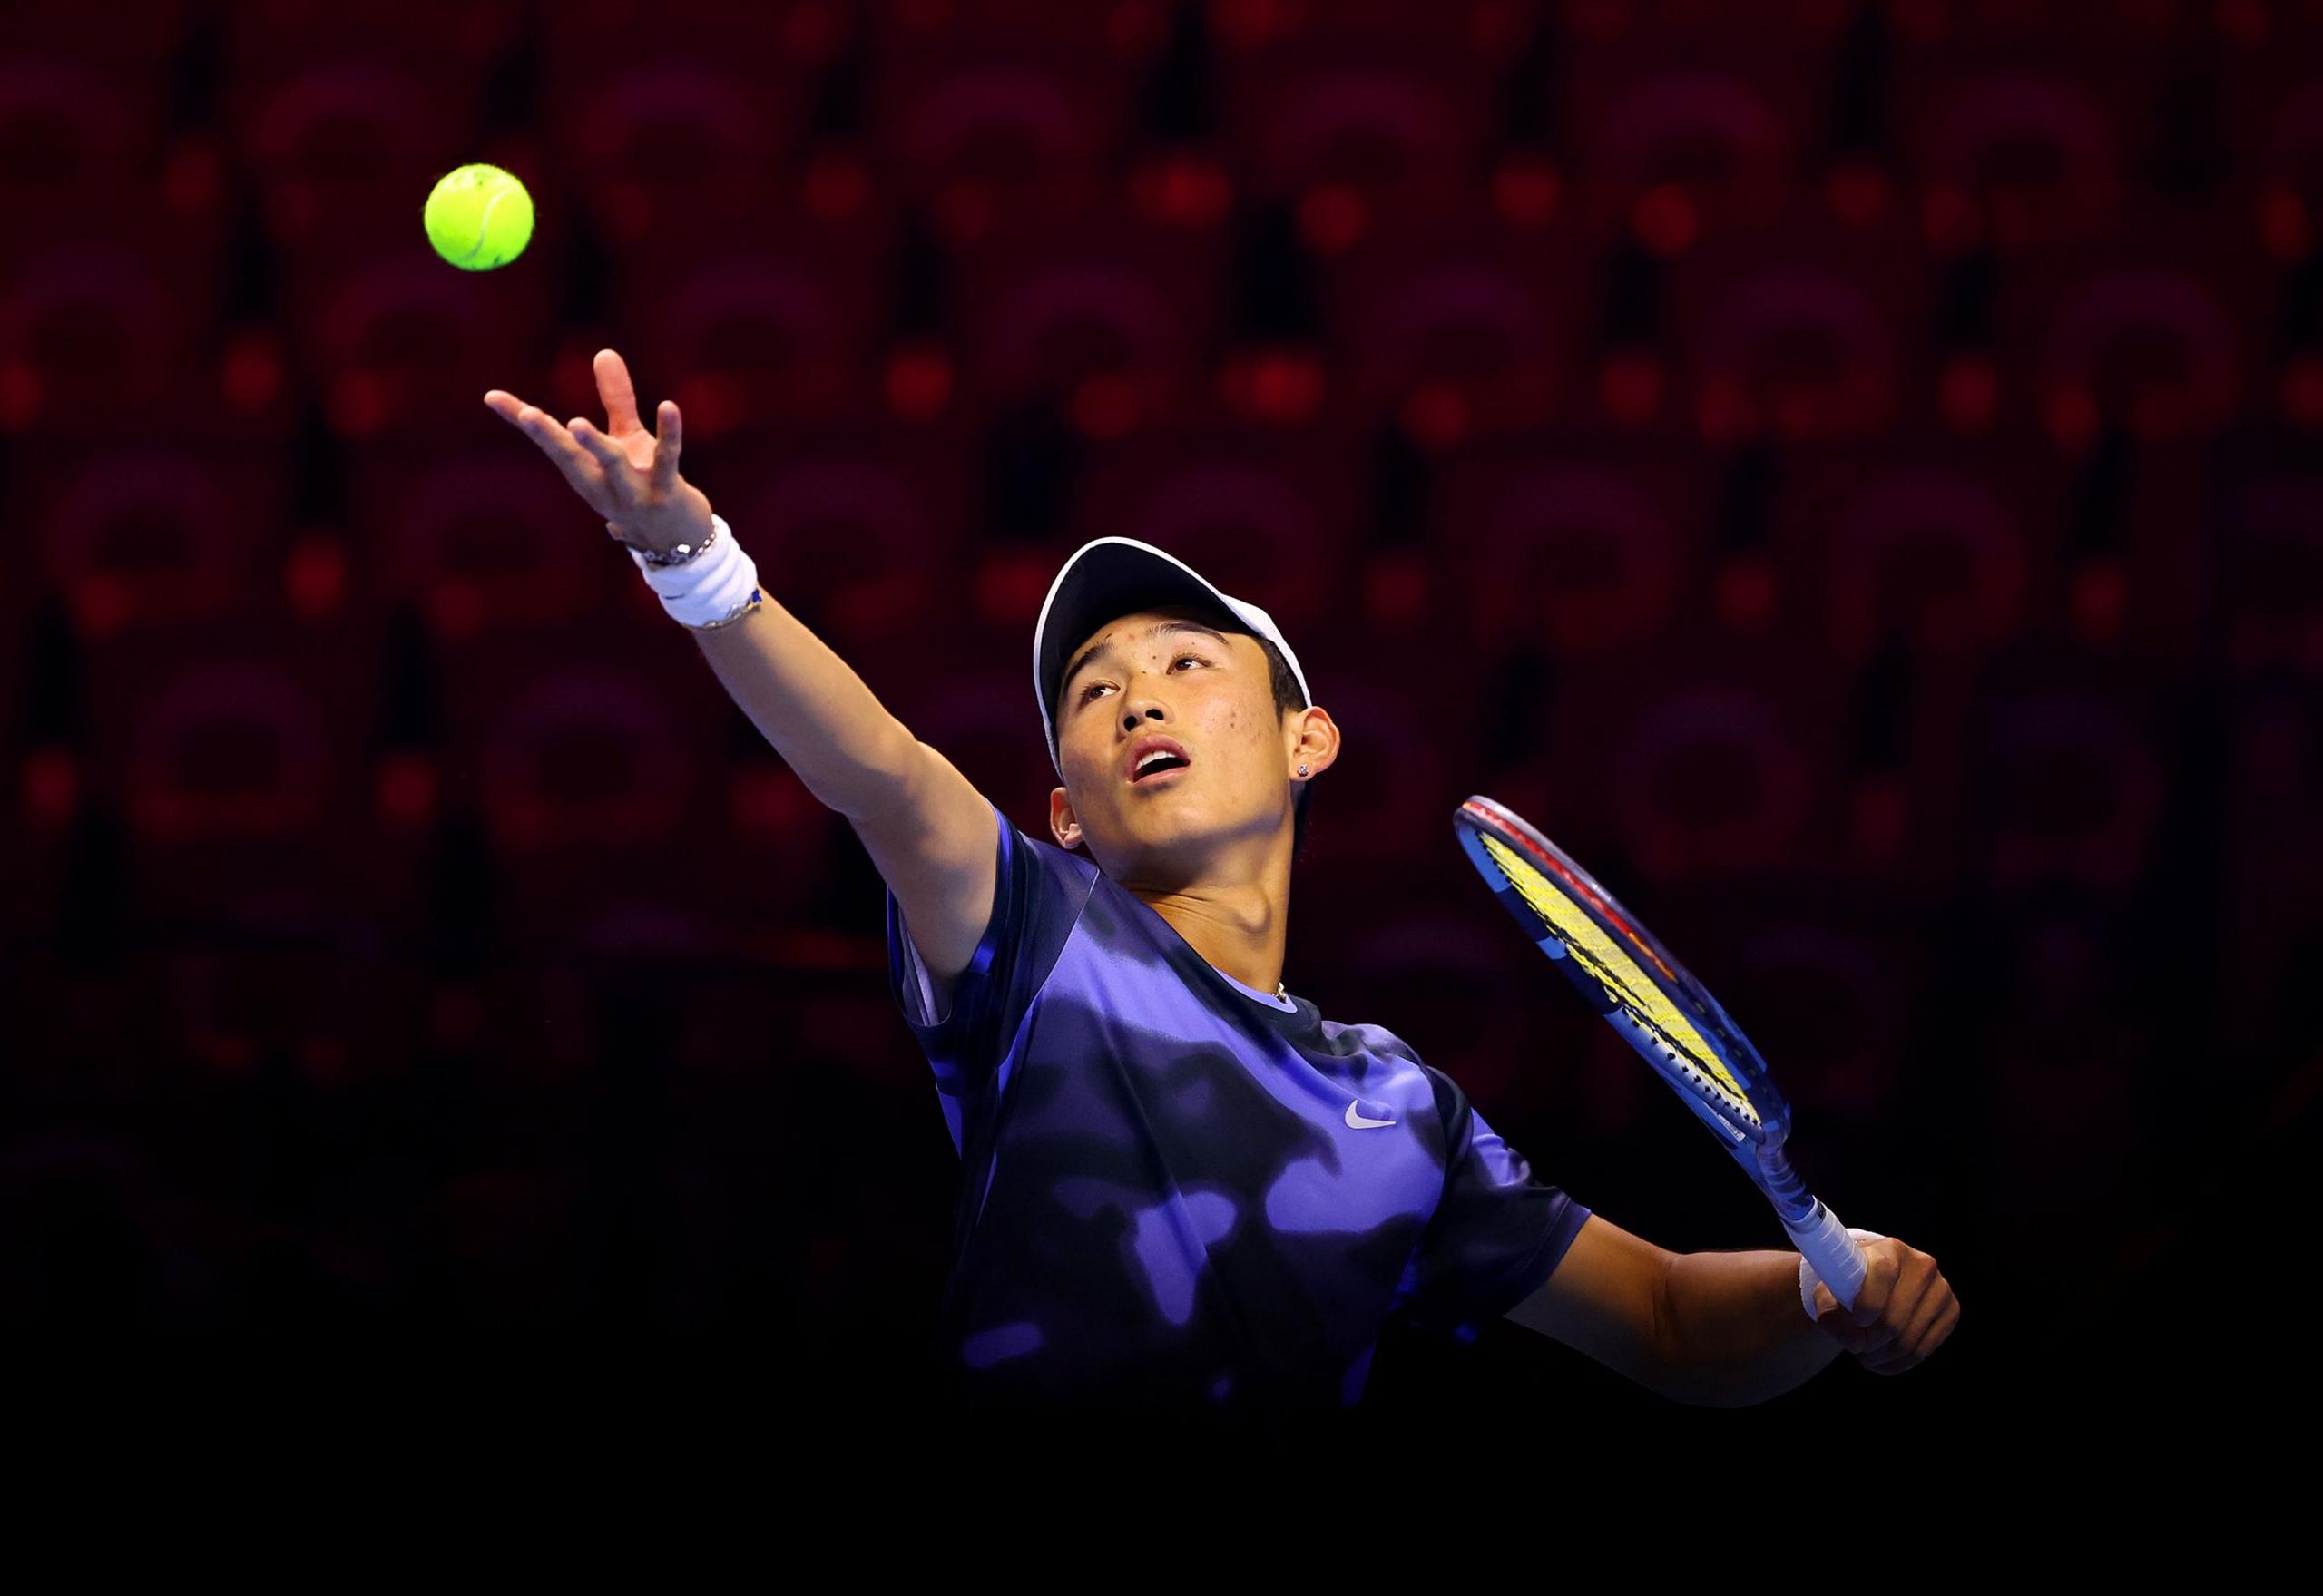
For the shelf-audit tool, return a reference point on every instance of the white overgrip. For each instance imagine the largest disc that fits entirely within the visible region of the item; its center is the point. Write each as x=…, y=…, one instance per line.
x=1828, y=1252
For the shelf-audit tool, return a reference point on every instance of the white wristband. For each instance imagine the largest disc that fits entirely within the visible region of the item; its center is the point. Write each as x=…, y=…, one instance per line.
x=707, y=588
x=1808, y=1279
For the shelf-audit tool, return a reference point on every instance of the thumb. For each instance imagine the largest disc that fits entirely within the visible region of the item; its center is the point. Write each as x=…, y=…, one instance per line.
x=1824, y=1301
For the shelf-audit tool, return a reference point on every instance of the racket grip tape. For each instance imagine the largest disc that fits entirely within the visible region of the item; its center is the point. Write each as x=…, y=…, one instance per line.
x=1830, y=1252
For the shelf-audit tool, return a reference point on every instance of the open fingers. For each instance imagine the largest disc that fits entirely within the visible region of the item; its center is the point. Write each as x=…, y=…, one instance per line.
x=601, y=447
x=617, y=392
x=578, y=466
x=623, y=477
x=671, y=429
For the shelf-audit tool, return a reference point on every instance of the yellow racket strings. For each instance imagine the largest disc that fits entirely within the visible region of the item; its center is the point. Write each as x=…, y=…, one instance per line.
x=1612, y=964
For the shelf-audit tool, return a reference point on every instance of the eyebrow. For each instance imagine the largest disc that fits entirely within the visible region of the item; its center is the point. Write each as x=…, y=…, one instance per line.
x=1105, y=650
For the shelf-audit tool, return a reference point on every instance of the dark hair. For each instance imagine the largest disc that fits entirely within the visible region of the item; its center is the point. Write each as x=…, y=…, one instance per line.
x=1284, y=687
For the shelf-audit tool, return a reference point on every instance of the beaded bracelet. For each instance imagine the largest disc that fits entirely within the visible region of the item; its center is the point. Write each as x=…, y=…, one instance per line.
x=705, y=587
x=756, y=600
x=677, y=554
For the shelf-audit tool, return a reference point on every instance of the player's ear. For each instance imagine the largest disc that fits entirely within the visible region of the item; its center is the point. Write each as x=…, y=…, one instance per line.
x=1318, y=744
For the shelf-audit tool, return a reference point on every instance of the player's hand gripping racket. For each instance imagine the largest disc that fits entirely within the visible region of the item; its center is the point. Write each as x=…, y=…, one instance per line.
x=1631, y=980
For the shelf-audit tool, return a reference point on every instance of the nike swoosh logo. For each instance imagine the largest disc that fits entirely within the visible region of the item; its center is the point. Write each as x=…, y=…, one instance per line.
x=1357, y=1123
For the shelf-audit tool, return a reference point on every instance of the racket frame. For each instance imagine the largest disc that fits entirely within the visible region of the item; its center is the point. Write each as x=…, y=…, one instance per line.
x=1758, y=1147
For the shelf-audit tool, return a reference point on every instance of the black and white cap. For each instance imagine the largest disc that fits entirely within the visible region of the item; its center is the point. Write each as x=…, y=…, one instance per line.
x=1109, y=577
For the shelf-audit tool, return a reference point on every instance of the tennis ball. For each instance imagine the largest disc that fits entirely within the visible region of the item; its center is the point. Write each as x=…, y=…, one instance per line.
x=478, y=217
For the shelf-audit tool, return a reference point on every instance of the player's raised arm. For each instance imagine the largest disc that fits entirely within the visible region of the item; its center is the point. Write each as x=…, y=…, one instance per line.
x=926, y=827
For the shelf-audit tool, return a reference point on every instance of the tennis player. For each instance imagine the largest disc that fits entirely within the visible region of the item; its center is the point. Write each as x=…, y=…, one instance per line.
x=1181, y=1185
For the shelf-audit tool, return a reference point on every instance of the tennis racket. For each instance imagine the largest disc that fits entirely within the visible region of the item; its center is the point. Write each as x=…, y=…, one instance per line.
x=1648, y=996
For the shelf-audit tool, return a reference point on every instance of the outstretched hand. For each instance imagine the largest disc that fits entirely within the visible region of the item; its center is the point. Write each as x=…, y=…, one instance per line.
x=1902, y=1312
x=625, y=474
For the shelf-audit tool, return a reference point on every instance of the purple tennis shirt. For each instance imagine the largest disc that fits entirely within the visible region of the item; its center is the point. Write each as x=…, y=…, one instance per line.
x=1177, y=1190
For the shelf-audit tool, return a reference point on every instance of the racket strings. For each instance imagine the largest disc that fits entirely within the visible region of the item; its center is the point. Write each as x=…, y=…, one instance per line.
x=1686, y=1049
x=1624, y=984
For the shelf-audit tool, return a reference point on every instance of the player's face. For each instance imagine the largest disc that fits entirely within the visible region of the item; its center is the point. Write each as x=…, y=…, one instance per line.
x=1207, y=691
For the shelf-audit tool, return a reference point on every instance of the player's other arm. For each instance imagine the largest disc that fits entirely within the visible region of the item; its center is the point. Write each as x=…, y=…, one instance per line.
x=1725, y=1329
x=1713, y=1329
x=1609, y=1296
x=928, y=831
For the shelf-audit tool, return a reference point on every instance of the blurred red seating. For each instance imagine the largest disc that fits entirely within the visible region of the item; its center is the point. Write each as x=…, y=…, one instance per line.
x=1821, y=977
x=957, y=696
x=166, y=532
x=581, y=767
x=1535, y=544
x=219, y=747
x=1678, y=138
x=992, y=140
x=1351, y=130
x=1459, y=329
x=482, y=539
x=2018, y=145
x=2274, y=110
x=2155, y=328
x=267, y=40
x=1815, y=331
x=2068, y=778
x=76, y=136
x=1705, y=757
x=674, y=153
x=1113, y=321
x=1101, y=36
x=1246, y=27
x=1275, y=518
x=2269, y=519
x=341, y=152
x=141, y=37
x=1408, y=746
x=568, y=756
x=865, y=531
x=94, y=338
x=763, y=334
x=234, y=752
x=1943, y=545
x=402, y=341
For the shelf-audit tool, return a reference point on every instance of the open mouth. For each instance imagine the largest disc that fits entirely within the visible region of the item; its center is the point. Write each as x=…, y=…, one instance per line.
x=1158, y=765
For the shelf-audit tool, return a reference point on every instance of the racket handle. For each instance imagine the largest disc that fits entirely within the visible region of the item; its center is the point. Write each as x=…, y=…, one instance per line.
x=1831, y=1252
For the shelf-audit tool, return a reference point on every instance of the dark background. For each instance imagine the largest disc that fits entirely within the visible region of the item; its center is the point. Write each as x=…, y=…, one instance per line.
x=1851, y=473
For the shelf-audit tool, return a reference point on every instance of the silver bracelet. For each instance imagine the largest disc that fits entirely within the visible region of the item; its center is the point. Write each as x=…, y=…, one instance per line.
x=717, y=587
x=678, y=553
x=756, y=600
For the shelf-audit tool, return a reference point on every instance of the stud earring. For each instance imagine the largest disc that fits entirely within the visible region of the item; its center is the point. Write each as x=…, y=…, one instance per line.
x=1302, y=770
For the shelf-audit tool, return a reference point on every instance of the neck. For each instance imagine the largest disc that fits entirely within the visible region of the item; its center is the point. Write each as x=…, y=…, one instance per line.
x=1240, y=931
x=1232, y=903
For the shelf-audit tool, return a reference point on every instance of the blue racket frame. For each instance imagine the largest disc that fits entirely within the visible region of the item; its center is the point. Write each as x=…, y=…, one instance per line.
x=1758, y=1148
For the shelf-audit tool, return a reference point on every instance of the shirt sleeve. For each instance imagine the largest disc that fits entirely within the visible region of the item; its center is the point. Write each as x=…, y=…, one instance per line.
x=1496, y=1234
x=1038, y=892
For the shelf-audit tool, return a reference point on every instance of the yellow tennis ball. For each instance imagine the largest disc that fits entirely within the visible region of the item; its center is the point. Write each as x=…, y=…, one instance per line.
x=478, y=217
